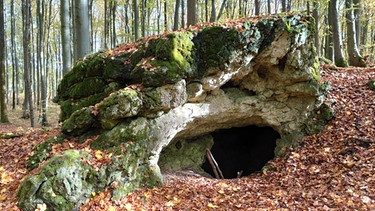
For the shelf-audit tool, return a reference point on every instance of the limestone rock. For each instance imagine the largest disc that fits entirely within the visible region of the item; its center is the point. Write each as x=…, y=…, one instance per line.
x=159, y=97
x=64, y=183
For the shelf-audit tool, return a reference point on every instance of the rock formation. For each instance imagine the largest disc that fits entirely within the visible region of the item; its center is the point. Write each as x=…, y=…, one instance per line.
x=163, y=97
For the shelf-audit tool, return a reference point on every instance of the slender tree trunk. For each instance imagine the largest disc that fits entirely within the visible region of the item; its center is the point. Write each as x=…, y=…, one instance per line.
x=357, y=6
x=213, y=11
x=337, y=40
x=65, y=36
x=114, y=33
x=176, y=15
x=3, y=108
x=14, y=58
x=316, y=34
x=136, y=19
x=182, y=14
x=191, y=12
x=354, y=58
x=26, y=12
x=206, y=10
x=143, y=18
x=165, y=16
x=221, y=9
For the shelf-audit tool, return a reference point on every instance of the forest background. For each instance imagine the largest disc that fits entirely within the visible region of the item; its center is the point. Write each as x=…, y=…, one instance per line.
x=40, y=40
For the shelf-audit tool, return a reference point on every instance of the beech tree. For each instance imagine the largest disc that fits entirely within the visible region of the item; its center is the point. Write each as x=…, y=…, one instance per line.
x=65, y=36
x=337, y=39
x=28, y=102
x=354, y=58
x=81, y=29
x=3, y=109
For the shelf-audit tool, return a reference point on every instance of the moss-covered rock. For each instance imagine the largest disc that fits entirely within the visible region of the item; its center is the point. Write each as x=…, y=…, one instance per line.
x=80, y=121
x=151, y=99
x=371, y=85
x=64, y=183
x=40, y=152
x=185, y=154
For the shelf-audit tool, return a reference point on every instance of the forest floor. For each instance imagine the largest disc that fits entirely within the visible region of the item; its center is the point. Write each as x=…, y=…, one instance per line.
x=331, y=170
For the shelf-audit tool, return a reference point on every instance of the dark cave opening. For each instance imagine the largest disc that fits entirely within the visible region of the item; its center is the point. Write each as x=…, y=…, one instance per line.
x=242, y=149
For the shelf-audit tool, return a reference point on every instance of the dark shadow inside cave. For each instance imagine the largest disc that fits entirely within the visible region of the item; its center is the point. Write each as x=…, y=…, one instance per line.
x=245, y=149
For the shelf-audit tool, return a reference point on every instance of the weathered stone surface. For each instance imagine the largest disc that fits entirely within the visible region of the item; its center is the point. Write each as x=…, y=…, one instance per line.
x=64, y=183
x=182, y=86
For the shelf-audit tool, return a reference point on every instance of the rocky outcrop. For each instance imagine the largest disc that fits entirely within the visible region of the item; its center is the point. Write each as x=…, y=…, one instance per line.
x=163, y=96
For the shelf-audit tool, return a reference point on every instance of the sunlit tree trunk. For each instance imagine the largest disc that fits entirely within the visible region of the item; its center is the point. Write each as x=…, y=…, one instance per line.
x=336, y=32
x=316, y=34
x=136, y=19
x=3, y=108
x=354, y=58
x=357, y=6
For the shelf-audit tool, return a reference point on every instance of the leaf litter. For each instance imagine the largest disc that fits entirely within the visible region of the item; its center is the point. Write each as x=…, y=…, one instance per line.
x=331, y=170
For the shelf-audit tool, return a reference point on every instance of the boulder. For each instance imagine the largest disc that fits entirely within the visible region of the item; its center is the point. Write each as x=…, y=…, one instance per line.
x=163, y=98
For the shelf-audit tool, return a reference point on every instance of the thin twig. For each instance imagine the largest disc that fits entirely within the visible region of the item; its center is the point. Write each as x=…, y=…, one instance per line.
x=214, y=165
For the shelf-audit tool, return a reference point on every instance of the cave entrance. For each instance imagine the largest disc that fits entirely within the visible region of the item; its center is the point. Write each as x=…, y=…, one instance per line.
x=242, y=150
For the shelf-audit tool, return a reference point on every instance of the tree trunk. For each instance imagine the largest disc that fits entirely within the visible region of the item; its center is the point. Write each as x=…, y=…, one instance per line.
x=257, y=7
x=221, y=9
x=3, y=108
x=136, y=19
x=165, y=16
x=182, y=14
x=26, y=12
x=15, y=83
x=65, y=36
x=191, y=12
x=355, y=59
x=316, y=34
x=114, y=34
x=213, y=11
x=176, y=15
x=336, y=32
x=357, y=6
x=82, y=32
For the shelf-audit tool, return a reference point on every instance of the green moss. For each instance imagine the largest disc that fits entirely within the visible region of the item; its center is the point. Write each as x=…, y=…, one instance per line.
x=77, y=74
x=95, y=64
x=41, y=151
x=118, y=68
x=87, y=87
x=79, y=122
x=371, y=85
x=64, y=183
x=341, y=63
x=214, y=47
x=122, y=133
x=185, y=154
x=69, y=106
